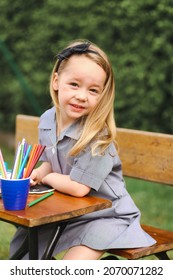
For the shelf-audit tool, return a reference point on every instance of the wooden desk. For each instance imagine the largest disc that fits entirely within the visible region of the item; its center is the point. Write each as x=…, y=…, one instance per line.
x=58, y=208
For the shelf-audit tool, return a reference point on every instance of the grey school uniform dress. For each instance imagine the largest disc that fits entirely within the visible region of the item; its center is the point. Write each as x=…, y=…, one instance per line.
x=116, y=227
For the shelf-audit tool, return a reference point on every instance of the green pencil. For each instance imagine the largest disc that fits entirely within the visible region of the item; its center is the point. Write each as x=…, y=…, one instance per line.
x=40, y=199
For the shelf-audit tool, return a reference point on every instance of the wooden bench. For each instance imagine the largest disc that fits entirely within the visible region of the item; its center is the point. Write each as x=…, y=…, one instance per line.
x=145, y=155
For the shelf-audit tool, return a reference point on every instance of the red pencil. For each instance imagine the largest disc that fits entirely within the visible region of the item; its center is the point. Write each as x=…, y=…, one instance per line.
x=34, y=158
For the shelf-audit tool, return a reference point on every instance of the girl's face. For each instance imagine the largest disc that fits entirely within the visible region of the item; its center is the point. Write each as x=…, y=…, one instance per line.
x=79, y=87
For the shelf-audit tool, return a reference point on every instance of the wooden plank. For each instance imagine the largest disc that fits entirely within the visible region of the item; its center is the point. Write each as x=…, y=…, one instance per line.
x=26, y=127
x=146, y=155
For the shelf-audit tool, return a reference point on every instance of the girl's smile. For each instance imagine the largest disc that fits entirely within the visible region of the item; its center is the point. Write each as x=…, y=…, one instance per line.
x=79, y=87
x=77, y=108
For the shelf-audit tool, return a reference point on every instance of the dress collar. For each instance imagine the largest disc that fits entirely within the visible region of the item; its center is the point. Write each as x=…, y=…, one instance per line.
x=48, y=122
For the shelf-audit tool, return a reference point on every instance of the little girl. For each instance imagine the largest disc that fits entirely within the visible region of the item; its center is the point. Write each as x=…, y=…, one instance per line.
x=81, y=156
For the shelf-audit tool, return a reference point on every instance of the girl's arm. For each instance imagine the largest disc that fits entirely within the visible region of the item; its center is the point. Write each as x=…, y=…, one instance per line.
x=64, y=184
x=40, y=172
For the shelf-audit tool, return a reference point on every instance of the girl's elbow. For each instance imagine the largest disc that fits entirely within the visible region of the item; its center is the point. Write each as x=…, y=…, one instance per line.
x=81, y=192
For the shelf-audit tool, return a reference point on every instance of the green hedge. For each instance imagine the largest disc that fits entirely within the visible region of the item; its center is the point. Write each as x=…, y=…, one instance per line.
x=137, y=36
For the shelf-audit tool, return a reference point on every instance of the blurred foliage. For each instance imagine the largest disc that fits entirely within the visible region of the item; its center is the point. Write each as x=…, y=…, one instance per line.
x=136, y=35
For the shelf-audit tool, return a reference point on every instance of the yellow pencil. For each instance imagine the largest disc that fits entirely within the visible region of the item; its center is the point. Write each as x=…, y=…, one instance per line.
x=2, y=166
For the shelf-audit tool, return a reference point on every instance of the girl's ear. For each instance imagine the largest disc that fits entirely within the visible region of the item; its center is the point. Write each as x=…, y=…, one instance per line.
x=55, y=82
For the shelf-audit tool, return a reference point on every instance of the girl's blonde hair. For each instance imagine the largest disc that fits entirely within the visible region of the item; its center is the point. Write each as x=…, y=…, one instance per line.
x=102, y=116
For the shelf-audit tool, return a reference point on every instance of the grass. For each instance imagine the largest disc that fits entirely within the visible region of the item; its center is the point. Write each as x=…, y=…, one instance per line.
x=154, y=201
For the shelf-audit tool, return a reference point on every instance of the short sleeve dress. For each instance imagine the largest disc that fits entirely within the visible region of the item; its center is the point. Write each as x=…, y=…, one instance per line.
x=115, y=227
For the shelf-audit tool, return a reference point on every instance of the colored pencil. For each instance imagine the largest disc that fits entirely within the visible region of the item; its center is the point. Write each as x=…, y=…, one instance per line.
x=16, y=163
x=21, y=154
x=2, y=166
x=24, y=162
x=40, y=199
x=33, y=160
x=37, y=155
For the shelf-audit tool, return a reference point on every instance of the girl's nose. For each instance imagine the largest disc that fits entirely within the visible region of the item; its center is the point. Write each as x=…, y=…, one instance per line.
x=81, y=95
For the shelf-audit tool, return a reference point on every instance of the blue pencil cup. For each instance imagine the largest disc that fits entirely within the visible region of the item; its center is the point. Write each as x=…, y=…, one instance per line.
x=15, y=193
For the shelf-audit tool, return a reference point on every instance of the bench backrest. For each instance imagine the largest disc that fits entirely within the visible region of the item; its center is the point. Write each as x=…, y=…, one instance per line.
x=26, y=127
x=144, y=155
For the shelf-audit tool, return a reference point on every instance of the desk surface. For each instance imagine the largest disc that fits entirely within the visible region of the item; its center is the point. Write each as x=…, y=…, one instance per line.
x=58, y=207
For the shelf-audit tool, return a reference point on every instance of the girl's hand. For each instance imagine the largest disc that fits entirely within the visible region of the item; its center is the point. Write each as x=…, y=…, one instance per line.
x=34, y=178
x=40, y=172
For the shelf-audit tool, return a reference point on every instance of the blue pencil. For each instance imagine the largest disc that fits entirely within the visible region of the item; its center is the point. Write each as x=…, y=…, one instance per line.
x=24, y=162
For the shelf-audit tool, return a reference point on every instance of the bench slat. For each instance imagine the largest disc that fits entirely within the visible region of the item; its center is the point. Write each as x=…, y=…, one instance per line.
x=26, y=127
x=146, y=155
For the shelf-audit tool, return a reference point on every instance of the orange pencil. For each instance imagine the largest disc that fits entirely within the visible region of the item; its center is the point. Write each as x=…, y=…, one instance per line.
x=39, y=152
x=29, y=161
x=35, y=155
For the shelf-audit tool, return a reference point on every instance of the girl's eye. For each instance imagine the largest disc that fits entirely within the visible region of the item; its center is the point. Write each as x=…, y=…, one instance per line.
x=94, y=91
x=74, y=84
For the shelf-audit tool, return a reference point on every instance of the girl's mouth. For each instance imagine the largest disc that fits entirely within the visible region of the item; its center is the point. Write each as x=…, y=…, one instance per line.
x=77, y=108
